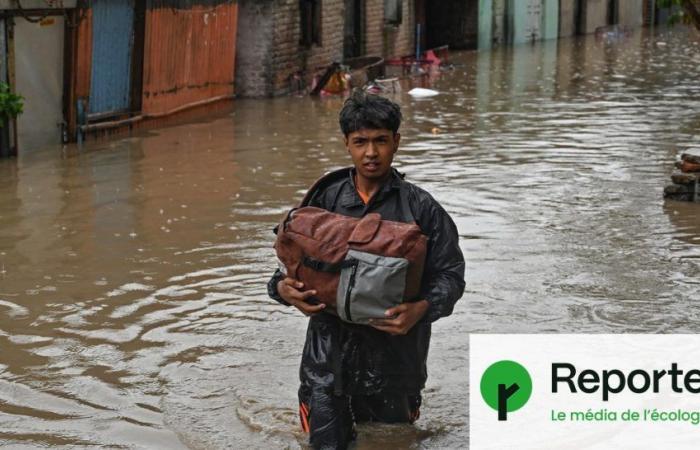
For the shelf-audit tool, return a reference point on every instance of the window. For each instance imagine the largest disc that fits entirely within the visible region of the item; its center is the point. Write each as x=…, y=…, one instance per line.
x=310, y=20
x=393, y=13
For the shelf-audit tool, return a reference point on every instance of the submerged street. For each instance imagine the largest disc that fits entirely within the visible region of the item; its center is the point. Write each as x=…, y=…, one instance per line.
x=133, y=305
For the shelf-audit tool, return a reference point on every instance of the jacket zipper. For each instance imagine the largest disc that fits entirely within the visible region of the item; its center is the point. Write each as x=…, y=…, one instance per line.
x=351, y=283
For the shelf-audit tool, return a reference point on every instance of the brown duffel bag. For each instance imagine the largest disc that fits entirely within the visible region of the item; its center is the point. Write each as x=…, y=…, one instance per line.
x=360, y=266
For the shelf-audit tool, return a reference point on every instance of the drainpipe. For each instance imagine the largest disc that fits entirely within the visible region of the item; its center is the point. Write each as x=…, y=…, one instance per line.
x=11, y=127
x=5, y=130
x=418, y=37
x=81, y=119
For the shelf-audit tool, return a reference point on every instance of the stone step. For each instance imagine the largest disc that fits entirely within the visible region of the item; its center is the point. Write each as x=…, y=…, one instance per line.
x=679, y=192
x=685, y=178
x=691, y=156
x=687, y=166
x=674, y=189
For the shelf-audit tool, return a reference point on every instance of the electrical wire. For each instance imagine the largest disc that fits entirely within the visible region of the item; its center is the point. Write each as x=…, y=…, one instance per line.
x=26, y=16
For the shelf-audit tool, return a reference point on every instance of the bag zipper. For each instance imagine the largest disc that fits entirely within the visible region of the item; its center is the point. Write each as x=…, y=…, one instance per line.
x=351, y=283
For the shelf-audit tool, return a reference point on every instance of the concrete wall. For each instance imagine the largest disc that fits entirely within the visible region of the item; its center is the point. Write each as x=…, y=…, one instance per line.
x=596, y=15
x=485, y=24
x=500, y=22
x=526, y=19
x=550, y=19
x=38, y=4
x=567, y=19
x=630, y=13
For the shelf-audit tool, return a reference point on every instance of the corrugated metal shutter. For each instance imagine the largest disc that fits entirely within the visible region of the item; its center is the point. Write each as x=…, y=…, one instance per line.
x=112, y=41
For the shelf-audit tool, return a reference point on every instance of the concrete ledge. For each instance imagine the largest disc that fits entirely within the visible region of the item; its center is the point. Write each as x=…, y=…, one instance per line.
x=38, y=4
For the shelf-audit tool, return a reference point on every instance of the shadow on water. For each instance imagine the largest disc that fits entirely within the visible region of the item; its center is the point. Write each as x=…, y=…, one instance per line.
x=133, y=310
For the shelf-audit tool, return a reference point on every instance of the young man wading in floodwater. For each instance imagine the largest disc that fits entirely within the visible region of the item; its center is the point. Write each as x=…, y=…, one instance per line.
x=354, y=373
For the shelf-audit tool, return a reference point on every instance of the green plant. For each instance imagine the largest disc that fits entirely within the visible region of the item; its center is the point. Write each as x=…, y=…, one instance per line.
x=682, y=11
x=11, y=104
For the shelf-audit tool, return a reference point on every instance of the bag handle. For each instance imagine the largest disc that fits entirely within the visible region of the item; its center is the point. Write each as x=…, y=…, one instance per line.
x=322, y=266
x=366, y=229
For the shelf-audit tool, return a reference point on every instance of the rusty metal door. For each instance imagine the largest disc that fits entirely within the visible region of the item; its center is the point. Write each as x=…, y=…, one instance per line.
x=112, y=44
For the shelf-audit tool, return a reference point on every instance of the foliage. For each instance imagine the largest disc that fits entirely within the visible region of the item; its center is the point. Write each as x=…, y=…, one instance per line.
x=11, y=104
x=682, y=11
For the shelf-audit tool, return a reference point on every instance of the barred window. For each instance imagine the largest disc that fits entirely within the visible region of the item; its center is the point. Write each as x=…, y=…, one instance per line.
x=310, y=21
x=393, y=11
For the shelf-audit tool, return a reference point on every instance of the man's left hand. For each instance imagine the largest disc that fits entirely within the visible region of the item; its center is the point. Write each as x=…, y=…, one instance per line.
x=404, y=317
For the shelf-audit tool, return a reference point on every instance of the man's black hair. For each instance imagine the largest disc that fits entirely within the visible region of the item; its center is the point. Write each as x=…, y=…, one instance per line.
x=363, y=110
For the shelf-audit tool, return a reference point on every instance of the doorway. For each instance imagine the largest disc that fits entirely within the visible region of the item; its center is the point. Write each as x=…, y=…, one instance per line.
x=452, y=22
x=353, y=42
x=39, y=79
x=613, y=12
x=580, y=17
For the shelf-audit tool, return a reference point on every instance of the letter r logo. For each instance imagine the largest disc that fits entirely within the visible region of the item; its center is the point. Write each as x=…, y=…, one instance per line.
x=503, y=395
x=506, y=386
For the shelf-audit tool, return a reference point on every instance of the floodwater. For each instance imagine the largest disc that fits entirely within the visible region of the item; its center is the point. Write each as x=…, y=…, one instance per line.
x=133, y=310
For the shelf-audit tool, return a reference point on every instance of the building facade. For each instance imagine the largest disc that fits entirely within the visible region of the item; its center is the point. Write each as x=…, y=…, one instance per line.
x=282, y=44
x=85, y=66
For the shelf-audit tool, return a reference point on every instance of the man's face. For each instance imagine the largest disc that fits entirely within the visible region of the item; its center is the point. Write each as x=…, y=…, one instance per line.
x=372, y=151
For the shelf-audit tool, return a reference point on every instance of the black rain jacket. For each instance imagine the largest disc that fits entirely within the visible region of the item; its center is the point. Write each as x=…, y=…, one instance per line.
x=358, y=359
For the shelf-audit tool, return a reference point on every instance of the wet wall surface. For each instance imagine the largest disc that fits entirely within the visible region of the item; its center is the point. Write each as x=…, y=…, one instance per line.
x=133, y=311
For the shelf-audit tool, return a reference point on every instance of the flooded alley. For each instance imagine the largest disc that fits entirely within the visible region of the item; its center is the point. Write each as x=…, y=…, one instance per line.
x=133, y=304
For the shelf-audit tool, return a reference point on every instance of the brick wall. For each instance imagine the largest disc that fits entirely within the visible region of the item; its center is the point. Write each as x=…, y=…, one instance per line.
x=254, y=48
x=567, y=18
x=401, y=40
x=270, y=60
x=269, y=53
x=289, y=58
x=387, y=40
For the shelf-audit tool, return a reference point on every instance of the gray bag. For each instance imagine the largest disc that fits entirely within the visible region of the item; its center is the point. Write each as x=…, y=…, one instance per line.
x=369, y=285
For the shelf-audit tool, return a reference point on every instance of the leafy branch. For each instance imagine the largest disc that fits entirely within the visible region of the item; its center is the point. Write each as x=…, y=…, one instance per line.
x=11, y=104
x=689, y=12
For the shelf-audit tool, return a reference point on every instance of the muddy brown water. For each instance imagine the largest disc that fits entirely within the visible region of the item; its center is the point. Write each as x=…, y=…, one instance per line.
x=133, y=311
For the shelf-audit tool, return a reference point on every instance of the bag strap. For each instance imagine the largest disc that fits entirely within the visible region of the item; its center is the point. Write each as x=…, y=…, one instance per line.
x=322, y=266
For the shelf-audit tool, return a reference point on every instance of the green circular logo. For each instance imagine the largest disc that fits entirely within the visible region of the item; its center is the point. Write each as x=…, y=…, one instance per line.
x=506, y=386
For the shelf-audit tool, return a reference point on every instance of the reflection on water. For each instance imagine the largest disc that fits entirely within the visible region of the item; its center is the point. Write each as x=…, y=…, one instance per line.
x=133, y=310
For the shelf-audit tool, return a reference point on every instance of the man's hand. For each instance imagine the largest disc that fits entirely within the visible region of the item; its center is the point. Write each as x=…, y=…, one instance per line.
x=406, y=316
x=291, y=291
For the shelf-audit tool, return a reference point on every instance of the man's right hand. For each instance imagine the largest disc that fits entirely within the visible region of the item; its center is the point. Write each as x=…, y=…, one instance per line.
x=291, y=291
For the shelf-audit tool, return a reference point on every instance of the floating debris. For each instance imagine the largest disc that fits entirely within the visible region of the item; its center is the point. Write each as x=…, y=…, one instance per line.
x=422, y=92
